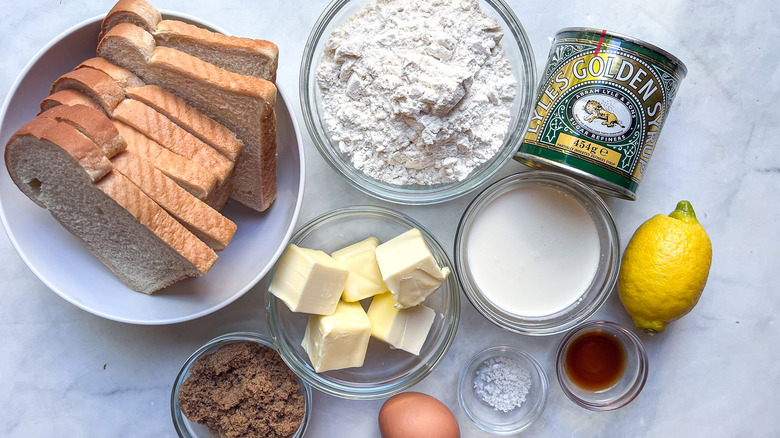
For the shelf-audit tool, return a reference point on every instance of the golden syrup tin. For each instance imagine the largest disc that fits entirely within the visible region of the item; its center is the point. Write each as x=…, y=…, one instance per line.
x=600, y=106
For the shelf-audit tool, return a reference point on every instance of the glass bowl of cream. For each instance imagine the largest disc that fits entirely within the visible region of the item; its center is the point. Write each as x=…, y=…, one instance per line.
x=537, y=253
x=412, y=102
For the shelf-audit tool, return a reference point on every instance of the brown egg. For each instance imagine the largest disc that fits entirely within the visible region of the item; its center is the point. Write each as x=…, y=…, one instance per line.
x=416, y=415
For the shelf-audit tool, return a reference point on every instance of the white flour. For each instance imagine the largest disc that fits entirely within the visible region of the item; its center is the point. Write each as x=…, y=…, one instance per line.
x=416, y=91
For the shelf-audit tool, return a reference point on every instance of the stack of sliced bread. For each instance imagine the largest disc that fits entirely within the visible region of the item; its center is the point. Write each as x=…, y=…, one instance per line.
x=137, y=150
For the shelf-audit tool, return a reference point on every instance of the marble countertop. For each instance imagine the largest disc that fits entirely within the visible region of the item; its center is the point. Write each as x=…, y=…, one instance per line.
x=68, y=373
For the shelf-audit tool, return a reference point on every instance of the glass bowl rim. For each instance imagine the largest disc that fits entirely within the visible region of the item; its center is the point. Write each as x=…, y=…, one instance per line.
x=225, y=339
x=581, y=193
x=525, y=422
x=397, y=385
x=437, y=193
x=638, y=349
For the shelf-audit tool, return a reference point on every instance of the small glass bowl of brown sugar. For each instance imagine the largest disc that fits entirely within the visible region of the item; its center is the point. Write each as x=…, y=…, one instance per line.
x=236, y=385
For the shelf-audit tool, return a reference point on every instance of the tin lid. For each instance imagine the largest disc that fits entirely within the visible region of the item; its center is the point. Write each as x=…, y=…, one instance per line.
x=675, y=61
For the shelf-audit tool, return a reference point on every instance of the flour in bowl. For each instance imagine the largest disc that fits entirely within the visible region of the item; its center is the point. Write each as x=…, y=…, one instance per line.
x=417, y=91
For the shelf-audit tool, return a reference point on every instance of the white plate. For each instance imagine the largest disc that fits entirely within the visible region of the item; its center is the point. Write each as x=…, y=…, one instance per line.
x=70, y=270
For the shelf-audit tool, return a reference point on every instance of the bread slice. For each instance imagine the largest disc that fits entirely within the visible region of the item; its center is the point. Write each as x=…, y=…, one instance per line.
x=92, y=123
x=99, y=86
x=93, y=162
x=243, y=104
x=206, y=223
x=132, y=235
x=192, y=177
x=137, y=12
x=245, y=56
x=69, y=97
x=172, y=136
x=201, y=182
x=173, y=107
x=122, y=77
x=203, y=221
x=192, y=120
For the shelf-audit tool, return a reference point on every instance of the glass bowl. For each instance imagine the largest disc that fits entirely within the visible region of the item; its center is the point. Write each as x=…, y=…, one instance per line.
x=188, y=429
x=385, y=371
x=631, y=381
x=511, y=419
x=519, y=53
x=584, y=305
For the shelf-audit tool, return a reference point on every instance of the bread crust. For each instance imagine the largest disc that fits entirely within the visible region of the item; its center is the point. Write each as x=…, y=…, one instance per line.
x=69, y=97
x=192, y=120
x=194, y=178
x=174, y=138
x=92, y=123
x=138, y=12
x=246, y=56
x=180, y=63
x=122, y=76
x=94, y=83
x=159, y=128
x=206, y=223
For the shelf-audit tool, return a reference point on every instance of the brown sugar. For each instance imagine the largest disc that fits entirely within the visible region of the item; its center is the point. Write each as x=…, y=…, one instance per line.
x=243, y=390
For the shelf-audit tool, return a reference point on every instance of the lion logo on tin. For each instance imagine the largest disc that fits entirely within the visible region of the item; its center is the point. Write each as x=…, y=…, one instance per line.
x=596, y=111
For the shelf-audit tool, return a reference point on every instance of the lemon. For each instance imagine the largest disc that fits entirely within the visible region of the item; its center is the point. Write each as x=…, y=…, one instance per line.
x=665, y=268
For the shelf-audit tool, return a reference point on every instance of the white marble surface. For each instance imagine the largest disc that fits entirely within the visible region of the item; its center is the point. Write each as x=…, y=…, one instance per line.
x=67, y=373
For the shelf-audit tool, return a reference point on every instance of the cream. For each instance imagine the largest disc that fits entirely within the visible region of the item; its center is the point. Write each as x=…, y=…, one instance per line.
x=533, y=251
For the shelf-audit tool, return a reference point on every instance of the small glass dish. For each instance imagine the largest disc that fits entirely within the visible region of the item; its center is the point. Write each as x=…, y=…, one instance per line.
x=520, y=55
x=630, y=382
x=188, y=429
x=385, y=371
x=593, y=296
x=485, y=416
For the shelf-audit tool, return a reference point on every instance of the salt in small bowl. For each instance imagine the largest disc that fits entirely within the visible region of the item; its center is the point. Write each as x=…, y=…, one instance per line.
x=485, y=416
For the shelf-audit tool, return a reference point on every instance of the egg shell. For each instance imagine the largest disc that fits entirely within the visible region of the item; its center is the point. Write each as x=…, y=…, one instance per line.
x=416, y=415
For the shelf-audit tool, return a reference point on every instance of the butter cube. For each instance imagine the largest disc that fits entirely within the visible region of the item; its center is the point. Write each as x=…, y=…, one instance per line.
x=339, y=340
x=409, y=269
x=364, y=279
x=405, y=329
x=309, y=281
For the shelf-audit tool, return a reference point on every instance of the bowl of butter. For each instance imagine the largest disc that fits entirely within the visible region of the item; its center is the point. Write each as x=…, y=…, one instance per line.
x=363, y=303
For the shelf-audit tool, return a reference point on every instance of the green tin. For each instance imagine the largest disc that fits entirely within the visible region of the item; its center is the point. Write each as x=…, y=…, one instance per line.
x=601, y=104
